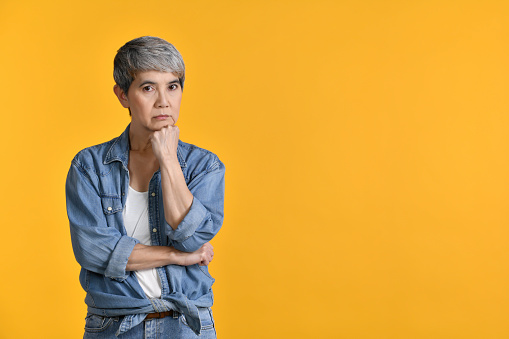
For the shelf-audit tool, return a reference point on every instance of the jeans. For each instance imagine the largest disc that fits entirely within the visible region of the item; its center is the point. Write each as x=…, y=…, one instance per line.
x=165, y=328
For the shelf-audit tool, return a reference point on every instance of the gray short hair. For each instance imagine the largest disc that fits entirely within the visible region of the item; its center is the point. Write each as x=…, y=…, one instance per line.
x=146, y=53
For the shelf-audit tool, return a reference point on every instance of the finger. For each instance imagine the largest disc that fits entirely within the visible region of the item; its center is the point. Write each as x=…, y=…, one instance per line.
x=155, y=135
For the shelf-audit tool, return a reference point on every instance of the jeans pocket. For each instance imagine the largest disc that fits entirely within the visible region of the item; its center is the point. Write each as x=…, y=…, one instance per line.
x=207, y=320
x=97, y=323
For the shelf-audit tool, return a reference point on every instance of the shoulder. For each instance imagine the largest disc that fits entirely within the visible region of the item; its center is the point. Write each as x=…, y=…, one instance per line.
x=92, y=158
x=197, y=159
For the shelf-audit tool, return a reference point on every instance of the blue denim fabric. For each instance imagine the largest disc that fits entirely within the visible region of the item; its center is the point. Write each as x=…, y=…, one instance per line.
x=100, y=327
x=96, y=188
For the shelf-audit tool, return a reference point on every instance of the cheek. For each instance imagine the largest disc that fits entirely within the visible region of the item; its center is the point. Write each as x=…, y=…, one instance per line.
x=176, y=103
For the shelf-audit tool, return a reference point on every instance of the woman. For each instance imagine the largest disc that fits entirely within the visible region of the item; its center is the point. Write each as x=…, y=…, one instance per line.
x=143, y=207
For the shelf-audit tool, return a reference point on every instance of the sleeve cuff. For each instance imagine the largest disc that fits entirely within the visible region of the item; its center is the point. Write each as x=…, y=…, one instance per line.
x=194, y=218
x=118, y=261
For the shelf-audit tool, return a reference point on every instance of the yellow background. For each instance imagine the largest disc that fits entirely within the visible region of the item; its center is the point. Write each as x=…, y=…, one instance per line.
x=366, y=148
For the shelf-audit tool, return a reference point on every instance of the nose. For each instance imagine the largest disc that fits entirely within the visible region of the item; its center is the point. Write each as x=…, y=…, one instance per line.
x=162, y=101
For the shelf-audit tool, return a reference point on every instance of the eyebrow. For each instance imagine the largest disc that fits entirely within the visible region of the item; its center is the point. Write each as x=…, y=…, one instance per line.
x=150, y=82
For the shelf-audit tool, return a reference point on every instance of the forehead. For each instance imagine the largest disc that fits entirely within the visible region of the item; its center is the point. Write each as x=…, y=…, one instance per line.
x=154, y=76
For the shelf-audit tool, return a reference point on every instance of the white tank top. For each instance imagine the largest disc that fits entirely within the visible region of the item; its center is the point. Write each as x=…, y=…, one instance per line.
x=136, y=224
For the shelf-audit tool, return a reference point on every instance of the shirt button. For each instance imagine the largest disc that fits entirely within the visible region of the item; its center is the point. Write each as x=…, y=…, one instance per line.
x=154, y=230
x=153, y=194
x=109, y=208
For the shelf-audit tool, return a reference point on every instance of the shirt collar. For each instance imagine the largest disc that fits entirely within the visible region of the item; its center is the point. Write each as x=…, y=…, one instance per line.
x=119, y=150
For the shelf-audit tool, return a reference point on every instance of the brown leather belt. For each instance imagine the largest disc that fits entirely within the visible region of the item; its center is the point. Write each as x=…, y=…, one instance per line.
x=159, y=315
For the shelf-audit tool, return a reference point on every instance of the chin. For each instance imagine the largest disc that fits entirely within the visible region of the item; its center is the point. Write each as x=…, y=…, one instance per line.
x=160, y=126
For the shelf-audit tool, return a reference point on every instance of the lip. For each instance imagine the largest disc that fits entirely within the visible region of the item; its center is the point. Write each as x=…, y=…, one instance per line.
x=162, y=117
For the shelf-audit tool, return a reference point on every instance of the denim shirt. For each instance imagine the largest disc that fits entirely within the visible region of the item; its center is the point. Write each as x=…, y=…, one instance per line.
x=96, y=188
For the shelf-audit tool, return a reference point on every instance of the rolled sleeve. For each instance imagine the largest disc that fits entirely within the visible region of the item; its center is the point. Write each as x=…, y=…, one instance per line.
x=194, y=218
x=205, y=217
x=119, y=257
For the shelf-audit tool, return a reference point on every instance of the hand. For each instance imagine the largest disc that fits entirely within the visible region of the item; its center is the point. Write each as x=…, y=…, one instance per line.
x=165, y=142
x=203, y=256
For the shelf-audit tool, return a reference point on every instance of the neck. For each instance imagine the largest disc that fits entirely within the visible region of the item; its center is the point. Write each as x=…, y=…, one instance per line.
x=139, y=140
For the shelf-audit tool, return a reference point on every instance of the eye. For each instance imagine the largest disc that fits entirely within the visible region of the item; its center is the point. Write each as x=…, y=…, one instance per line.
x=148, y=88
x=173, y=87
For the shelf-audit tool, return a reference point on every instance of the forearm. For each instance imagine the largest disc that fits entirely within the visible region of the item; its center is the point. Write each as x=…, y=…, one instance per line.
x=177, y=198
x=144, y=257
x=205, y=216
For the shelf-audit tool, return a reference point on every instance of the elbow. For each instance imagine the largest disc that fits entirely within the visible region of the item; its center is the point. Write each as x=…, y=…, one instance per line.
x=189, y=245
x=194, y=242
x=88, y=261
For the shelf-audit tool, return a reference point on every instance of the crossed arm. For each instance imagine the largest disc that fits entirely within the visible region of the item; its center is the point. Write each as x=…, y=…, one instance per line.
x=144, y=257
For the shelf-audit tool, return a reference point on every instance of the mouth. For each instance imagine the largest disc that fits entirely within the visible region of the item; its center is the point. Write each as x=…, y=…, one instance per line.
x=162, y=117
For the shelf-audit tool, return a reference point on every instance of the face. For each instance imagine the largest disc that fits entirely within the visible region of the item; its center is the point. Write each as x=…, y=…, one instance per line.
x=154, y=100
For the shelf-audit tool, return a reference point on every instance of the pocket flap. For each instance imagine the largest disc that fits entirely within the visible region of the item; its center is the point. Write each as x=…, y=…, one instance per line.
x=111, y=205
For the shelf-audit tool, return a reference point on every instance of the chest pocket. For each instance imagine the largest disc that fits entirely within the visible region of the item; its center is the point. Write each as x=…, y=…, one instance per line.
x=111, y=204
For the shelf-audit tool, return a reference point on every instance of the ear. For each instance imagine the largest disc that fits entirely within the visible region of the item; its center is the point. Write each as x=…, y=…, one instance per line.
x=122, y=97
